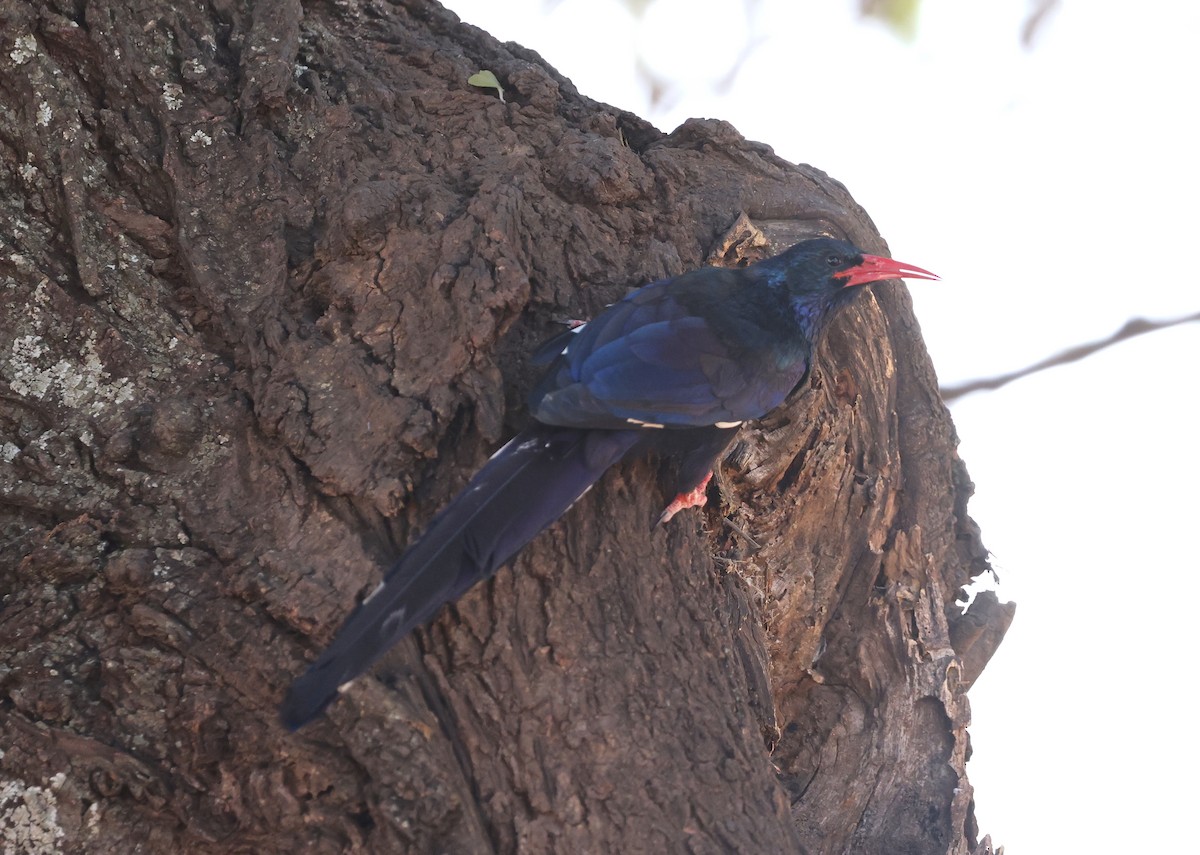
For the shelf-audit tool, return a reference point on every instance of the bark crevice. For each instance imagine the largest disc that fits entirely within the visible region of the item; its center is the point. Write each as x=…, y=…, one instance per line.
x=272, y=275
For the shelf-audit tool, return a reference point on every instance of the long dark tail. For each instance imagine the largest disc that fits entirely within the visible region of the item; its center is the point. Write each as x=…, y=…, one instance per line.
x=527, y=485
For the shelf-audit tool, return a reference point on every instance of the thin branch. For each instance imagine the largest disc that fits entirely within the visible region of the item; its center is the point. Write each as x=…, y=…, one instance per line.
x=1039, y=15
x=1134, y=327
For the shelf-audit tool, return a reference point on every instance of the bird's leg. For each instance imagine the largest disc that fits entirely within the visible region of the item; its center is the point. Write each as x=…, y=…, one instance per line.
x=694, y=498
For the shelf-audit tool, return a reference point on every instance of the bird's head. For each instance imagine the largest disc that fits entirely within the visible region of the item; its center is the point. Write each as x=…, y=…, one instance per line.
x=821, y=274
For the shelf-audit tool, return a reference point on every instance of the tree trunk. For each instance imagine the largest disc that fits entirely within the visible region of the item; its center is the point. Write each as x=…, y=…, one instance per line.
x=270, y=277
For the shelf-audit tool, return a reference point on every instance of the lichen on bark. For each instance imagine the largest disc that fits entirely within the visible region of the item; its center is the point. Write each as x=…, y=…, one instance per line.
x=271, y=275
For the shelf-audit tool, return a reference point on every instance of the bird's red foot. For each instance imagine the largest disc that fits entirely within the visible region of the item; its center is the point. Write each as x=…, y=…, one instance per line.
x=696, y=498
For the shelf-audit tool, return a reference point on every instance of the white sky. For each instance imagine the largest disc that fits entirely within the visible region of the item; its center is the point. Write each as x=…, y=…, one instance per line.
x=1055, y=190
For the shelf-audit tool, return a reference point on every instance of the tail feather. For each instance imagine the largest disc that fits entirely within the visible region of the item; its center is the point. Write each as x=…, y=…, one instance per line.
x=526, y=485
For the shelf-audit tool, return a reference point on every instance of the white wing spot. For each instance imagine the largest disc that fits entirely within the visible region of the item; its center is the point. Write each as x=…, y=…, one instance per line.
x=641, y=423
x=525, y=446
x=393, y=620
x=373, y=594
x=586, y=490
x=727, y=424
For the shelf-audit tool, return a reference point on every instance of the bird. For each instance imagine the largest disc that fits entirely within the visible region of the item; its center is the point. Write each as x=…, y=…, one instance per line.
x=675, y=367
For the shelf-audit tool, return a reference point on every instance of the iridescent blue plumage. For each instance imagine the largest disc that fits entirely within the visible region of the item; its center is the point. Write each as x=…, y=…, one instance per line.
x=709, y=346
x=675, y=366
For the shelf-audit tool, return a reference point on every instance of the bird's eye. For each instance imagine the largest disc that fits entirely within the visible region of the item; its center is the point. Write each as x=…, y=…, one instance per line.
x=834, y=260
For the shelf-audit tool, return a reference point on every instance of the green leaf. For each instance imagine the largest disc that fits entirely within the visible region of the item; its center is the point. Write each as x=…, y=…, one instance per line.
x=899, y=15
x=486, y=80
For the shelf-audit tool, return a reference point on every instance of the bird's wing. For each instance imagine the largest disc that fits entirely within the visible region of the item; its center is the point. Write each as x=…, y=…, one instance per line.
x=655, y=359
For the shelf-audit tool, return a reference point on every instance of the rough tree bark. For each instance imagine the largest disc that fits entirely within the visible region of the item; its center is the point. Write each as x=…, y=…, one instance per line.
x=270, y=273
